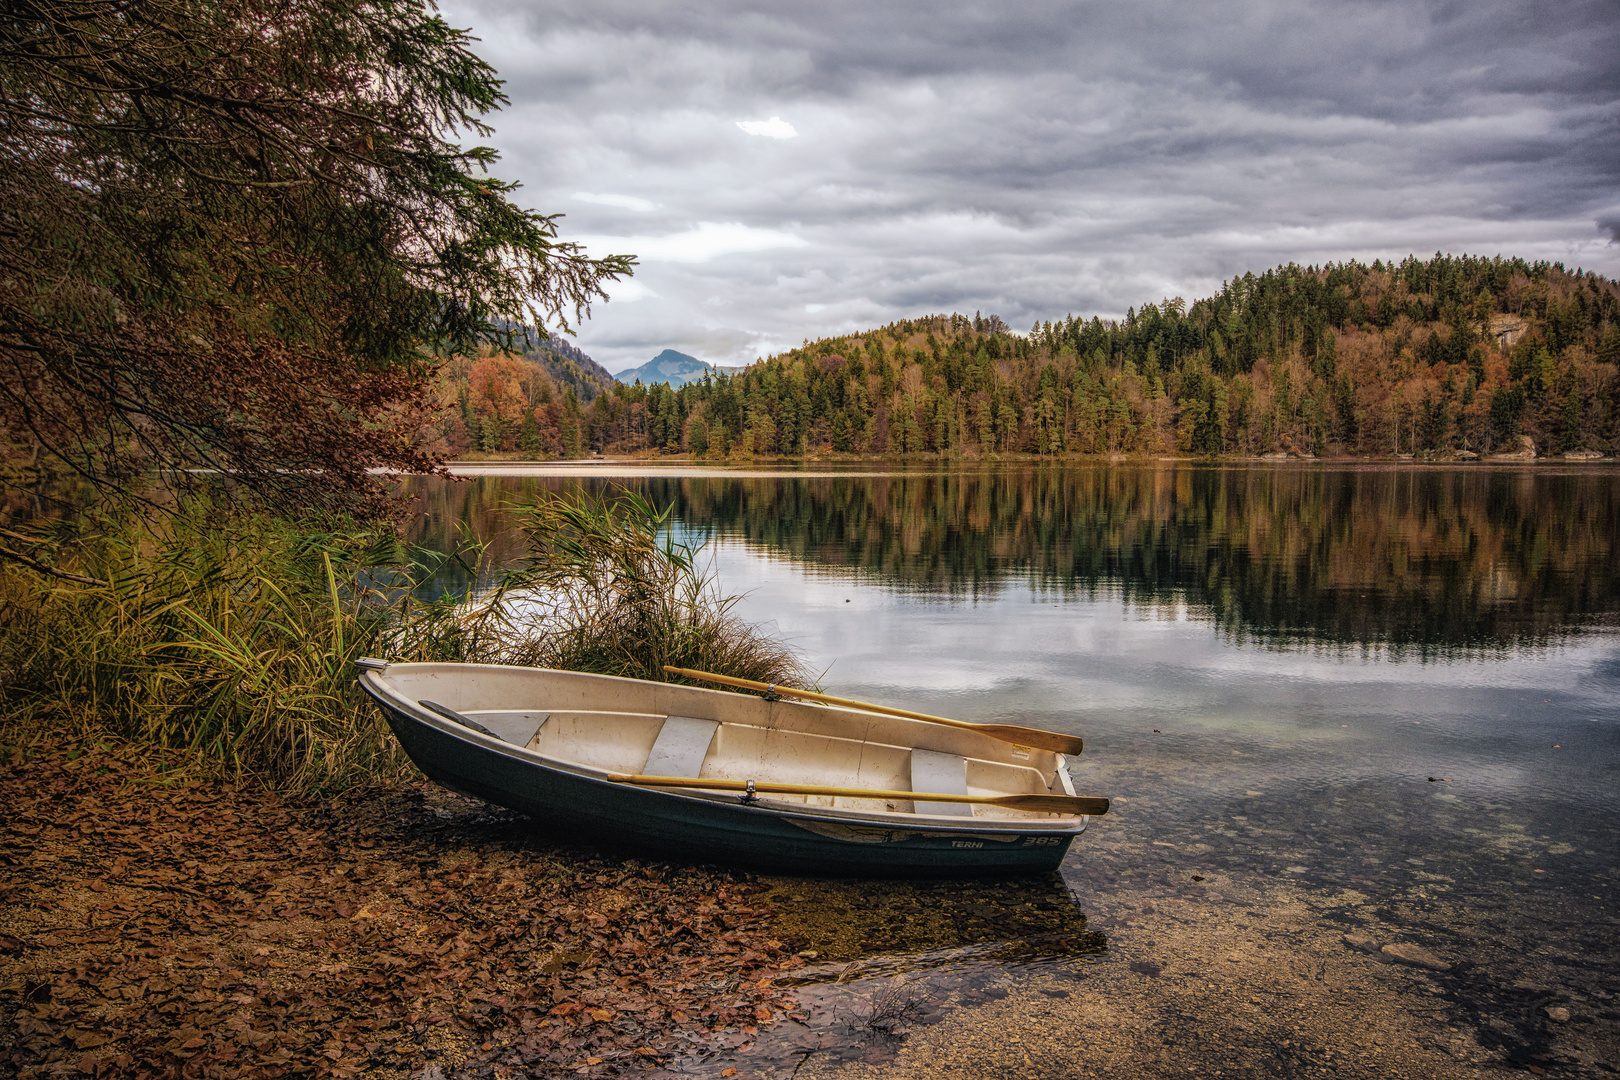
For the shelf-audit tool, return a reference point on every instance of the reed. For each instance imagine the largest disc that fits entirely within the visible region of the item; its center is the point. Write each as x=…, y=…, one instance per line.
x=232, y=644
x=617, y=594
x=229, y=644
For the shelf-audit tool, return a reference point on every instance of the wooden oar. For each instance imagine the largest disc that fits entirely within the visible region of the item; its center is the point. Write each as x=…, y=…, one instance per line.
x=1035, y=804
x=1012, y=733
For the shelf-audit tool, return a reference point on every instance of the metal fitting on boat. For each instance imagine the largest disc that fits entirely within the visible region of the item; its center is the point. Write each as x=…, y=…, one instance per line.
x=748, y=798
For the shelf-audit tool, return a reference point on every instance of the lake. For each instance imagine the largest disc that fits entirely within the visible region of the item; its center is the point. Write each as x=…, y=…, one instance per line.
x=1336, y=708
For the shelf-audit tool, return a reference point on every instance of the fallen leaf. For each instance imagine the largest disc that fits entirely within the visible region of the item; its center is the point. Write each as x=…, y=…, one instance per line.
x=212, y=959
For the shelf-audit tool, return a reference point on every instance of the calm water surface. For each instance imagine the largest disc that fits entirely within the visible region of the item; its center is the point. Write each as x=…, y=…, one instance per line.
x=1268, y=666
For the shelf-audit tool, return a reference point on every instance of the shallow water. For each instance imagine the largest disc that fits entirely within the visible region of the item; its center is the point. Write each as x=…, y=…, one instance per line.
x=1394, y=692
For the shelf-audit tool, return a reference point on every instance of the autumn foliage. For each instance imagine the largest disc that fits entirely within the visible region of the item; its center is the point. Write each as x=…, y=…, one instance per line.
x=501, y=402
x=234, y=236
x=1430, y=358
x=188, y=930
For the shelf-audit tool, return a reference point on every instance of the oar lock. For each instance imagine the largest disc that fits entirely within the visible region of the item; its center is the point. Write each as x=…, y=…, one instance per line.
x=748, y=797
x=771, y=694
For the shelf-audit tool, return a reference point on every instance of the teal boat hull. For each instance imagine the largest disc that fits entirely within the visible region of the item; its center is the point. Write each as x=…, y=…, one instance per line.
x=670, y=825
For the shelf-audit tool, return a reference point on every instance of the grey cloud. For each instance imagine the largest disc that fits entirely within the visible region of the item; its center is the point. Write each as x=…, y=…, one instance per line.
x=1396, y=55
x=1044, y=158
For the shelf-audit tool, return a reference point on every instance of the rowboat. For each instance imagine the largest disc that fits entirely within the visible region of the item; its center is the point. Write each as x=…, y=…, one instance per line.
x=714, y=775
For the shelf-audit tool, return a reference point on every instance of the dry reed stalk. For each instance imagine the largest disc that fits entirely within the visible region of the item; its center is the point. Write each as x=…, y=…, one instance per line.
x=234, y=645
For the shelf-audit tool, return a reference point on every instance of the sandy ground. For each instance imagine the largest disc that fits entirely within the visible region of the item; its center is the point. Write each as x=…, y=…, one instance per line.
x=1157, y=971
x=1196, y=988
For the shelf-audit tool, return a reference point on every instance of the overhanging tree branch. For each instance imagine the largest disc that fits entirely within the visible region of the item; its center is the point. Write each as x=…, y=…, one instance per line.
x=32, y=563
x=239, y=233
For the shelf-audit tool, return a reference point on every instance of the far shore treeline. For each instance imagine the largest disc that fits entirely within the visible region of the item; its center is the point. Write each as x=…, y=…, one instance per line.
x=1434, y=358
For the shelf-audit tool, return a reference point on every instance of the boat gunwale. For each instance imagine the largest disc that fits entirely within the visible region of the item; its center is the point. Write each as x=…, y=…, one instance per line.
x=374, y=683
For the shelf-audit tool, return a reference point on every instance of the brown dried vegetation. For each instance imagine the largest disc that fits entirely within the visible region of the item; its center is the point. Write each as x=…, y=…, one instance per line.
x=164, y=930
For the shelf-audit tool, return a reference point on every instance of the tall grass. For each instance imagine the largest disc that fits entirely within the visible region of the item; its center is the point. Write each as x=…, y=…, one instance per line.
x=234, y=643
x=614, y=592
x=231, y=643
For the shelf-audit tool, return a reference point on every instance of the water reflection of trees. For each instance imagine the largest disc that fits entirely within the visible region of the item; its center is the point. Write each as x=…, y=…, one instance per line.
x=1404, y=558
x=41, y=498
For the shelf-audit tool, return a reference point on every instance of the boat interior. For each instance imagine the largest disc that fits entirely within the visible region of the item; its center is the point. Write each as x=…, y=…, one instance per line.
x=660, y=745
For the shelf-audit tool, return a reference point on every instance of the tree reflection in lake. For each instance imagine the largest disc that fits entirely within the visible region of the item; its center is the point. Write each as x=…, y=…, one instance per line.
x=1432, y=561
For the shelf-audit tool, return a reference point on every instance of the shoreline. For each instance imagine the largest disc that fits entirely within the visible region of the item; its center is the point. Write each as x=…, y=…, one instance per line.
x=814, y=466
x=412, y=931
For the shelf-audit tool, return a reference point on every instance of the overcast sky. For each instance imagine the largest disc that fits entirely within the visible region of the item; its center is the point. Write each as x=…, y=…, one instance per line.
x=796, y=170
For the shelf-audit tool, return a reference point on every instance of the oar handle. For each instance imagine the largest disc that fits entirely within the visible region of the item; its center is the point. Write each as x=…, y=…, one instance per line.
x=1008, y=733
x=1034, y=803
x=749, y=684
x=787, y=789
x=793, y=691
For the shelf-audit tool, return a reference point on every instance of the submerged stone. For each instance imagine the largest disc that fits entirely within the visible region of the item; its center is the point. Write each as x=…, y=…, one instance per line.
x=1415, y=956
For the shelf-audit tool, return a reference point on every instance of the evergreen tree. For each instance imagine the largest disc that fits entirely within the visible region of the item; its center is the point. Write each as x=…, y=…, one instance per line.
x=529, y=437
x=236, y=238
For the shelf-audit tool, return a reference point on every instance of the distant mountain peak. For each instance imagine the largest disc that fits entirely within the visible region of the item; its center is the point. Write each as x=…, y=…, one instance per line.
x=670, y=366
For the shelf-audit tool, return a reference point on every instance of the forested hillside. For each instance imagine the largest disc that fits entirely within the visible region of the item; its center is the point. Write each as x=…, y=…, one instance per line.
x=569, y=367
x=1445, y=357
x=530, y=402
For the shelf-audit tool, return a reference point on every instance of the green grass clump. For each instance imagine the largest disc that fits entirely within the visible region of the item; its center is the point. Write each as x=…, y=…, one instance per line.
x=233, y=643
x=616, y=594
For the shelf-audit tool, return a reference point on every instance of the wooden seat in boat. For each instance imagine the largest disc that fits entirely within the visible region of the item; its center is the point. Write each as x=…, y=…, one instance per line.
x=682, y=744
x=515, y=726
x=945, y=774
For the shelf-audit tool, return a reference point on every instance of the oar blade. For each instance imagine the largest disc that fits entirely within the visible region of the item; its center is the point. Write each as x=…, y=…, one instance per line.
x=1053, y=804
x=1055, y=741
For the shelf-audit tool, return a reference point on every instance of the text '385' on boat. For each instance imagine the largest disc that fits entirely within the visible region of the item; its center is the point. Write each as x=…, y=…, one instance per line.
x=686, y=771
